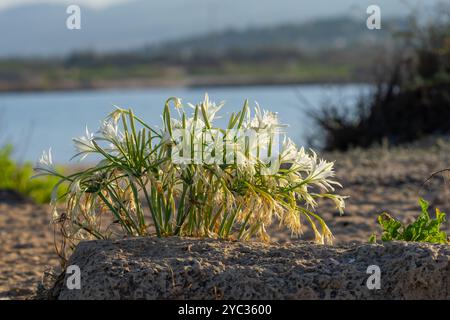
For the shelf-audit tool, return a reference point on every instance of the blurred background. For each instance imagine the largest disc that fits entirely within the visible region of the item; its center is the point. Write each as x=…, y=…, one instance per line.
x=377, y=102
x=312, y=61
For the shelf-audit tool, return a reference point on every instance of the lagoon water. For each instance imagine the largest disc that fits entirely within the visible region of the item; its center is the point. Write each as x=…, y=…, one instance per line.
x=33, y=122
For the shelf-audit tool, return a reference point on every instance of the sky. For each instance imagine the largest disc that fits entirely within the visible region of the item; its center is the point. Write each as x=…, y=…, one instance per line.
x=392, y=6
x=99, y=4
x=95, y=4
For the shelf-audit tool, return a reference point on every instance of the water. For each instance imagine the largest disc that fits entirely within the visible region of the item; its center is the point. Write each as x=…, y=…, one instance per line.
x=33, y=122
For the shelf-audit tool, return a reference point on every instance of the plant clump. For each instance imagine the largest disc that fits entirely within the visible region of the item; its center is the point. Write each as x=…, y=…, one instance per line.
x=192, y=178
x=423, y=229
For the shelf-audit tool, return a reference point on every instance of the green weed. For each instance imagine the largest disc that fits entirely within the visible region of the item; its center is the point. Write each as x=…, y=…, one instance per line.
x=423, y=229
x=18, y=177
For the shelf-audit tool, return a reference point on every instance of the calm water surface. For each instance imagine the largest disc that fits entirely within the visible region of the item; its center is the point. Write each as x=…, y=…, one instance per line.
x=33, y=122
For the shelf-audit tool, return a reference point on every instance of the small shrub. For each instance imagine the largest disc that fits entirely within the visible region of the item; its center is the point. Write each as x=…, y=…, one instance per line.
x=140, y=186
x=423, y=229
x=410, y=99
x=18, y=177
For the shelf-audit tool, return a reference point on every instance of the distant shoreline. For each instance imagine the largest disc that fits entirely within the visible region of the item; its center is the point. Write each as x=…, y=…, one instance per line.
x=194, y=82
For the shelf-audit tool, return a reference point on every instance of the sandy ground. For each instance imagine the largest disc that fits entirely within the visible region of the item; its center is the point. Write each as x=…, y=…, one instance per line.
x=377, y=180
x=26, y=247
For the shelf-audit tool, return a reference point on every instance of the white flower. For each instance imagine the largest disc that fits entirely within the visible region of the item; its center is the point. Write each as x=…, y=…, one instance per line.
x=302, y=161
x=289, y=150
x=265, y=120
x=193, y=133
x=339, y=202
x=321, y=173
x=116, y=114
x=177, y=104
x=166, y=138
x=245, y=166
x=84, y=145
x=191, y=124
x=298, y=159
x=110, y=130
x=46, y=159
x=211, y=108
x=45, y=164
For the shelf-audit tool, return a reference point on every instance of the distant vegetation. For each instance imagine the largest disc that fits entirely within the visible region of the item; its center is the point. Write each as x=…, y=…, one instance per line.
x=309, y=37
x=18, y=178
x=330, y=50
x=411, y=98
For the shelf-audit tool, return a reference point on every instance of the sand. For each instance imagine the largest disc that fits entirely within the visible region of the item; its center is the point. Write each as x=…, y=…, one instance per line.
x=377, y=180
x=26, y=247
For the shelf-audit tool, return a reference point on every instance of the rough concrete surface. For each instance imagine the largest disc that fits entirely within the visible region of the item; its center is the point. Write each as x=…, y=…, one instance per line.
x=181, y=268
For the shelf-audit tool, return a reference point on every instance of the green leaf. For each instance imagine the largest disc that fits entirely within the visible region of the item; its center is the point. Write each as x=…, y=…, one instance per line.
x=423, y=229
x=373, y=238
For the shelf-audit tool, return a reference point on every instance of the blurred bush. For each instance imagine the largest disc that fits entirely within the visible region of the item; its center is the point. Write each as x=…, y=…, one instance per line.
x=18, y=177
x=411, y=98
